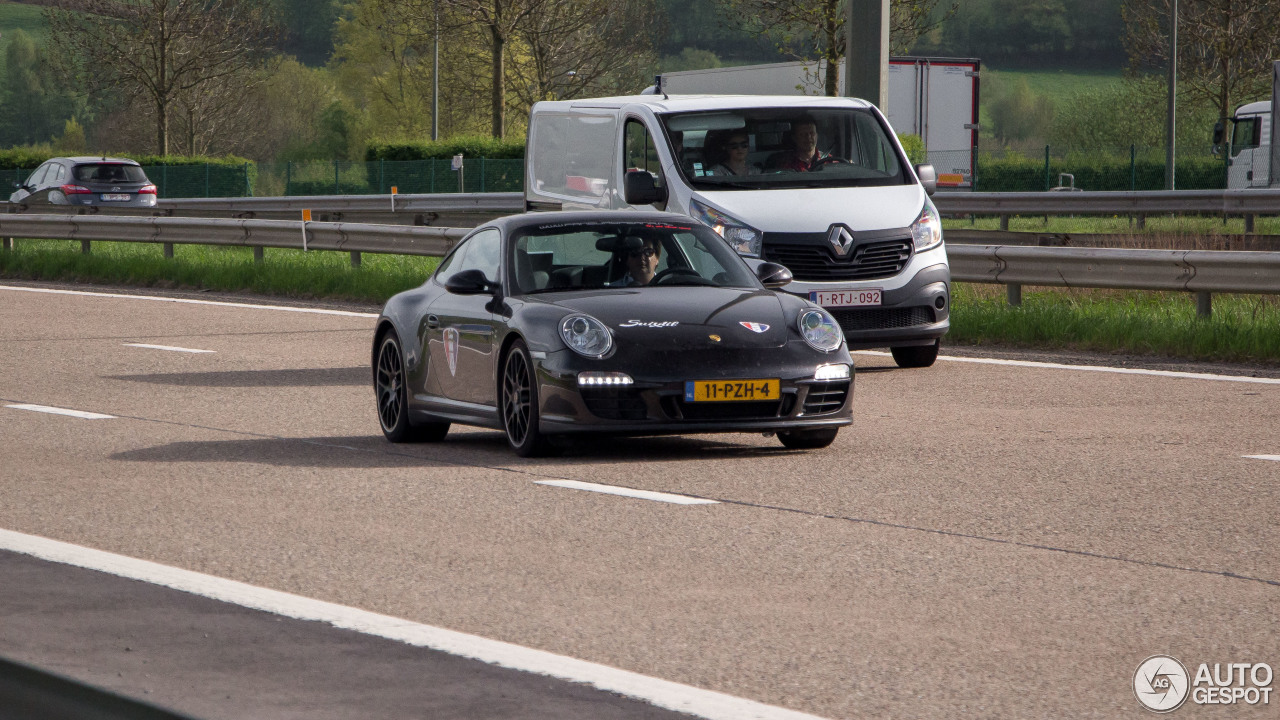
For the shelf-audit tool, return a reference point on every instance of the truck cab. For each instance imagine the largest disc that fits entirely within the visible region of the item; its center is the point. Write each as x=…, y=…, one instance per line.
x=818, y=184
x=1249, y=151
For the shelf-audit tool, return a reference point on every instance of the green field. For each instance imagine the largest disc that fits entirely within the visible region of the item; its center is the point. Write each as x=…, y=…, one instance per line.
x=15, y=16
x=1059, y=86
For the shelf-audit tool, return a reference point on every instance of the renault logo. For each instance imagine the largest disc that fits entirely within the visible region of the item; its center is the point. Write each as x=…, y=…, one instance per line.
x=841, y=239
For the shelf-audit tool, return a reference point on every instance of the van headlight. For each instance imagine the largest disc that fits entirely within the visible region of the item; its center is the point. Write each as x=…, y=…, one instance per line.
x=586, y=336
x=926, y=231
x=820, y=330
x=744, y=238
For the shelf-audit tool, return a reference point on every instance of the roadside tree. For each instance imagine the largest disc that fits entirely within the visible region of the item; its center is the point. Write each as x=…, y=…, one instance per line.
x=161, y=50
x=814, y=29
x=1225, y=47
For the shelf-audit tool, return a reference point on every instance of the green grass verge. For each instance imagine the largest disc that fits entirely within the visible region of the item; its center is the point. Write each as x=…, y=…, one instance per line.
x=1186, y=226
x=1243, y=328
x=286, y=273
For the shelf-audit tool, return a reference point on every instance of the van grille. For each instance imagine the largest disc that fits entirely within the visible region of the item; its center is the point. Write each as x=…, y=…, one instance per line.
x=818, y=263
x=853, y=319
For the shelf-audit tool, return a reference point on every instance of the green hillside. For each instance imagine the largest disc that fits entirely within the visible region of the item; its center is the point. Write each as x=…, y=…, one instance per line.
x=16, y=16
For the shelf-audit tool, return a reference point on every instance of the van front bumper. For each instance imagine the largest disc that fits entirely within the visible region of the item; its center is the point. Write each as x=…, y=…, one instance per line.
x=917, y=313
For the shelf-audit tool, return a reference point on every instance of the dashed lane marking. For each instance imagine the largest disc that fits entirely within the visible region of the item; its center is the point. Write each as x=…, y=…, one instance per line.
x=1094, y=368
x=662, y=693
x=1264, y=457
x=62, y=411
x=167, y=347
x=629, y=492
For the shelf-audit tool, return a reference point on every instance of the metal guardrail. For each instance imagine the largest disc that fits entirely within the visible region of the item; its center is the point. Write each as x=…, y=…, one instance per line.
x=1199, y=271
x=1202, y=272
x=355, y=238
x=1249, y=203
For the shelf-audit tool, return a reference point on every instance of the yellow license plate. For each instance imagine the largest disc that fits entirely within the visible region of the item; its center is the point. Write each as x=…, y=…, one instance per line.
x=732, y=390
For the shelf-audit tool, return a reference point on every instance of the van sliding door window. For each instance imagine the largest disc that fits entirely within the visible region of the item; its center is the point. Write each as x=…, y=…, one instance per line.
x=572, y=156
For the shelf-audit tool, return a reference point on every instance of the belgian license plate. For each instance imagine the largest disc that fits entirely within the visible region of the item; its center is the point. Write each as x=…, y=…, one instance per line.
x=847, y=298
x=732, y=390
x=109, y=197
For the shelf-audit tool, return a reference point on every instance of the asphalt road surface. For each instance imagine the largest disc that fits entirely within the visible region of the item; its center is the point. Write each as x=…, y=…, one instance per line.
x=989, y=539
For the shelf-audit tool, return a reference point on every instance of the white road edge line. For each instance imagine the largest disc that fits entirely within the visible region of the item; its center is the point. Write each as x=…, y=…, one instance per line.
x=628, y=492
x=62, y=411
x=662, y=693
x=187, y=301
x=1264, y=457
x=1093, y=368
x=167, y=347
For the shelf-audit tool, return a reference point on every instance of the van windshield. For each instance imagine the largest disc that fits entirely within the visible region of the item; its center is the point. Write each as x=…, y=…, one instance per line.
x=766, y=148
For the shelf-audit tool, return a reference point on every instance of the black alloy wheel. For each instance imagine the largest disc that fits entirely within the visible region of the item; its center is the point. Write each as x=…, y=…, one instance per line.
x=808, y=439
x=520, y=404
x=917, y=356
x=393, y=402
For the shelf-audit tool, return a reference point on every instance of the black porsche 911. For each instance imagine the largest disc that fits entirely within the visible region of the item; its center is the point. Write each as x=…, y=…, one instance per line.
x=628, y=323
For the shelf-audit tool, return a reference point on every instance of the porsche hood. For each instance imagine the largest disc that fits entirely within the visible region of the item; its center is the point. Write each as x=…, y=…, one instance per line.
x=688, y=317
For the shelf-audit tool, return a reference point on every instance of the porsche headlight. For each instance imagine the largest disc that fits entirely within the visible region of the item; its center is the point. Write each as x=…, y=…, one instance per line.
x=744, y=238
x=586, y=336
x=820, y=330
x=926, y=231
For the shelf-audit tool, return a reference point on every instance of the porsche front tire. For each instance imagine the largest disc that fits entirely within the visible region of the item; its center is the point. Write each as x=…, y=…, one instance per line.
x=808, y=439
x=391, y=389
x=519, y=403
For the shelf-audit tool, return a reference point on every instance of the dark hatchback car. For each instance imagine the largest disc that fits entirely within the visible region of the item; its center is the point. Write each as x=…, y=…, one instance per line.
x=97, y=181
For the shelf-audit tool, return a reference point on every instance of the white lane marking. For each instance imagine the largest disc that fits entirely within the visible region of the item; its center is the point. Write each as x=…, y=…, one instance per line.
x=628, y=492
x=1095, y=368
x=167, y=347
x=62, y=411
x=662, y=693
x=1264, y=457
x=152, y=298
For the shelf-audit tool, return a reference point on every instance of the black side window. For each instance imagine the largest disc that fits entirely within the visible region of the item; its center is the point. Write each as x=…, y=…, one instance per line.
x=37, y=177
x=478, y=252
x=639, y=152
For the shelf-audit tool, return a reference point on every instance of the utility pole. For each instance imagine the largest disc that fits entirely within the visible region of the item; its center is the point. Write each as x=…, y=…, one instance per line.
x=435, y=81
x=1173, y=92
x=866, y=51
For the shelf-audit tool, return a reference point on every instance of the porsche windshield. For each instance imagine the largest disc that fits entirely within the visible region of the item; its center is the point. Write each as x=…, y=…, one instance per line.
x=763, y=148
x=587, y=256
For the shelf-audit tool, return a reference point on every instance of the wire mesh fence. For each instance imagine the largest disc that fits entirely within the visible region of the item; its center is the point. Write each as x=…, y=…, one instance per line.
x=1054, y=169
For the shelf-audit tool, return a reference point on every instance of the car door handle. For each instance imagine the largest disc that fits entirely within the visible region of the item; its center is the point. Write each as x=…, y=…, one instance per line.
x=433, y=322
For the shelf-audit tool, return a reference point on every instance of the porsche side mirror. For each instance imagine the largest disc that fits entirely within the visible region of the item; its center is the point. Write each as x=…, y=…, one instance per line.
x=773, y=275
x=468, y=282
x=638, y=188
x=928, y=178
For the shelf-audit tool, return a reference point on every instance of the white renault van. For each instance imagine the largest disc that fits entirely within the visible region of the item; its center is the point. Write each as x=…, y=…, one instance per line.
x=823, y=187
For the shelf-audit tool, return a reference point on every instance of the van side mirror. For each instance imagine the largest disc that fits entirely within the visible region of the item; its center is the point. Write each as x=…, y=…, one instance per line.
x=468, y=282
x=773, y=275
x=1219, y=132
x=928, y=178
x=638, y=188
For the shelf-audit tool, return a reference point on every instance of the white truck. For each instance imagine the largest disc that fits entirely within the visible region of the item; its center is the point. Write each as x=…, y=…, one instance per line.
x=935, y=98
x=1253, y=152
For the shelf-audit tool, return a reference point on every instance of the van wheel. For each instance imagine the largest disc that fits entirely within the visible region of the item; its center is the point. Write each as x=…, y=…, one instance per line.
x=916, y=356
x=808, y=439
